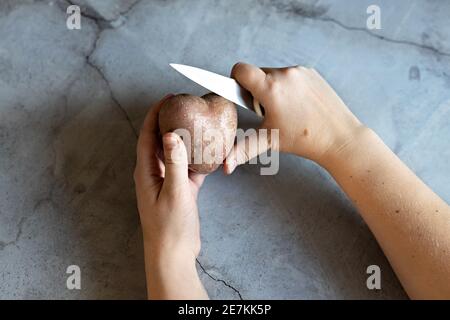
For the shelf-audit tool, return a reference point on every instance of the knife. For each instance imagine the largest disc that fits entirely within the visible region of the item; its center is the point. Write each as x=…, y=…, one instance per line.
x=221, y=85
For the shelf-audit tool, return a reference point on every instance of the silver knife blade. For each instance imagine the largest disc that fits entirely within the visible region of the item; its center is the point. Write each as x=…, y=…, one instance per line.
x=221, y=85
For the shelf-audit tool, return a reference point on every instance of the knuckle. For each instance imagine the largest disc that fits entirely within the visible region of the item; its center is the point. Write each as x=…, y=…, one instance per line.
x=175, y=156
x=273, y=86
x=271, y=82
x=302, y=70
x=237, y=68
x=291, y=71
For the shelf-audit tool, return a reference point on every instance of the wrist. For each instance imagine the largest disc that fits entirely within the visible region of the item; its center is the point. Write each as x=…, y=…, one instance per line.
x=172, y=275
x=345, y=150
x=166, y=255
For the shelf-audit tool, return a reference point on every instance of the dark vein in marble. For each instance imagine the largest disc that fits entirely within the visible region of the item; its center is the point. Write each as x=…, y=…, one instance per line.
x=318, y=13
x=220, y=280
x=99, y=22
x=87, y=14
x=124, y=13
x=380, y=37
x=3, y=245
x=20, y=225
x=22, y=221
x=111, y=93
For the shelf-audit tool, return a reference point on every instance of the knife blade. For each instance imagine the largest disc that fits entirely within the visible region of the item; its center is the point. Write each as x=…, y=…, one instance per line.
x=221, y=85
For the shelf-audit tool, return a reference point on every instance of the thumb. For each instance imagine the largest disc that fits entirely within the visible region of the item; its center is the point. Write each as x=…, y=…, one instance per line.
x=175, y=160
x=247, y=148
x=251, y=78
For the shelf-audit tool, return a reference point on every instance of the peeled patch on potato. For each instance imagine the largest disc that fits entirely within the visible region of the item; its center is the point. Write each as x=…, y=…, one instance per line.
x=206, y=124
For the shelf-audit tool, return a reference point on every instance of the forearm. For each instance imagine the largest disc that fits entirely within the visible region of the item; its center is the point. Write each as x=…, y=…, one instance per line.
x=409, y=220
x=172, y=276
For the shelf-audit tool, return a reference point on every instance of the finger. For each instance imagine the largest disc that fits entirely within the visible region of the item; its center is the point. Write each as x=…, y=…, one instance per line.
x=250, y=77
x=269, y=70
x=148, y=163
x=246, y=149
x=176, y=162
x=277, y=70
x=197, y=178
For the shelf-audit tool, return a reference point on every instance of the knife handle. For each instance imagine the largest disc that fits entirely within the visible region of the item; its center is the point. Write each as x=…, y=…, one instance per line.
x=257, y=108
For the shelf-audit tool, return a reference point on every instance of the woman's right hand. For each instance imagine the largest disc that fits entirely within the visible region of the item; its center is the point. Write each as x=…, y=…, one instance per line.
x=313, y=121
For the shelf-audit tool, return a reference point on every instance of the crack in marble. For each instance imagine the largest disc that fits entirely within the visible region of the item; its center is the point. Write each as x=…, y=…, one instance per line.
x=124, y=13
x=22, y=220
x=98, y=19
x=111, y=94
x=88, y=15
x=383, y=38
x=318, y=13
x=219, y=280
x=3, y=245
x=98, y=69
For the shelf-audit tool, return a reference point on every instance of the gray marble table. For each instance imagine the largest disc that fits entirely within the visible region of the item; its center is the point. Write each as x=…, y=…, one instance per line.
x=72, y=101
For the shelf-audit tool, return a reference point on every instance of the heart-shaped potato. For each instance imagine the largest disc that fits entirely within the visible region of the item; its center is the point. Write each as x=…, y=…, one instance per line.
x=206, y=124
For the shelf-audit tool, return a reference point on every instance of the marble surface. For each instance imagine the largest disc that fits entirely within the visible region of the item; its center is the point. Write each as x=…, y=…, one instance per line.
x=71, y=103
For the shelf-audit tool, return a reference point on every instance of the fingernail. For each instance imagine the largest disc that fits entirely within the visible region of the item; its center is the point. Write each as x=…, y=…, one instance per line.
x=170, y=141
x=167, y=96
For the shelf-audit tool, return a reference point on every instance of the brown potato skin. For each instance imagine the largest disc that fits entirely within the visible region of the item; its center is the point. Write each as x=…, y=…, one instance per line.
x=210, y=112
